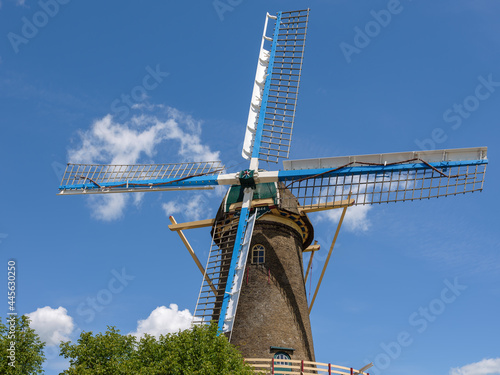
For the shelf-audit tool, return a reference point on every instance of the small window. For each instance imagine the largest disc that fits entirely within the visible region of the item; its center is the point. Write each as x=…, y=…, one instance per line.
x=282, y=359
x=258, y=254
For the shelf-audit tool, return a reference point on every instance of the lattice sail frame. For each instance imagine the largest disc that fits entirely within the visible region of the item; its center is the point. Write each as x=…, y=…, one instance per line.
x=274, y=98
x=209, y=303
x=105, y=178
x=214, y=287
x=394, y=178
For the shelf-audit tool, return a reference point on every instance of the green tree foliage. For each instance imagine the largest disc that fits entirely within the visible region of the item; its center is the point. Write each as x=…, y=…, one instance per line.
x=109, y=353
x=20, y=347
x=199, y=351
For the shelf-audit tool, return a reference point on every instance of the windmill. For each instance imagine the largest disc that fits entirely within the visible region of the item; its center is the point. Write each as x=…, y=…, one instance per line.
x=253, y=283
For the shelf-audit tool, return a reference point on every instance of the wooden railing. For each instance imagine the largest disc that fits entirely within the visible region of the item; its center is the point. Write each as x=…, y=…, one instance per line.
x=294, y=367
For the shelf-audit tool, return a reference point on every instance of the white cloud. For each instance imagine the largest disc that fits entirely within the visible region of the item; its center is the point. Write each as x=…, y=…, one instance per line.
x=485, y=367
x=111, y=142
x=195, y=208
x=52, y=325
x=108, y=207
x=163, y=320
x=355, y=219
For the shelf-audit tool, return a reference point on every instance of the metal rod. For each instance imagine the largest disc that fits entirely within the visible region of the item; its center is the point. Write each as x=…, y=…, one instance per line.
x=328, y=257
x=193, y=255
x=309, y=264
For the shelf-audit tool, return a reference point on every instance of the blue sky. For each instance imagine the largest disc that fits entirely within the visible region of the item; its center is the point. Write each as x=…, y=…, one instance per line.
x=413, y=286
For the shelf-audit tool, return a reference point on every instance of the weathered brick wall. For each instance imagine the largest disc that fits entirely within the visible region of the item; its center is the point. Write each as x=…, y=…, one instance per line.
x=272, y=309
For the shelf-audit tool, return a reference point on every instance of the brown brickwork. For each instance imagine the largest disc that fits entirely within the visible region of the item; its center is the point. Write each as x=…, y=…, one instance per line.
x=272, y=309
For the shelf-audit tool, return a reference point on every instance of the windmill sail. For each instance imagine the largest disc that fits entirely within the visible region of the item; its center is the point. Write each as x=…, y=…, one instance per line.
x=101, y=178
x=268, y=137
x=233, y=292
x=385, y=178
x=221, y=286
x=274, y=97
x=209, y=303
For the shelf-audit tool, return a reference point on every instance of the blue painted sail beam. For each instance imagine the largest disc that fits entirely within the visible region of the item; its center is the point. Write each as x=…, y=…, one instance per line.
x=291, y=175
x=265, y=95
x=144, y=184
x=240, y=233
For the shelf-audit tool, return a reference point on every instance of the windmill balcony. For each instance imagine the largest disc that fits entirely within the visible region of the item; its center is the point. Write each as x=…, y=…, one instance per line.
x=273, y=366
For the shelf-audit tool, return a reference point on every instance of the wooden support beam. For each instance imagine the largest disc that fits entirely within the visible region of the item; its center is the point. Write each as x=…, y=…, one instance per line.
x=364, y=368
x=193, y=255
x=315, y=248
x=327, y=206
x=191, y=224
x=328, y=257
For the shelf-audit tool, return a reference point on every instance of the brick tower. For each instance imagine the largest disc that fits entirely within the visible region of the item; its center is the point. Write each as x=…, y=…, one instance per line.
x=272, y=316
